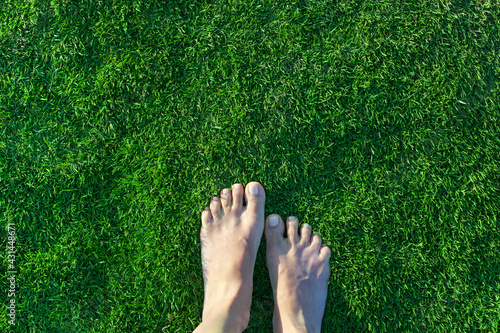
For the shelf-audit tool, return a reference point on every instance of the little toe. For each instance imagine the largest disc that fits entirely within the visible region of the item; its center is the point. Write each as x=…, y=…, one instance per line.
x=324, y=256
x=292, y=229
x=316, y=242
x=206, y=217
x=274, y=231
x=305, y=234
x=255, y=197
x=237, y=197
x=216, y=208
x=324, y=253
x=226, y=199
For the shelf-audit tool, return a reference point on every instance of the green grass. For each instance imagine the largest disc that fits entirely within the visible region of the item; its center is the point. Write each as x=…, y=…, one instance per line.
x=377, y=122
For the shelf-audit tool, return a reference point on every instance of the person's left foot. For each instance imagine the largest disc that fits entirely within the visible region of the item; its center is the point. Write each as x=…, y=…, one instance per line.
x=230, y=237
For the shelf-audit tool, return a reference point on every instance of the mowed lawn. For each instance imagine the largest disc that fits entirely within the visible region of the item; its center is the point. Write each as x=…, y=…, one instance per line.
x=376, y=122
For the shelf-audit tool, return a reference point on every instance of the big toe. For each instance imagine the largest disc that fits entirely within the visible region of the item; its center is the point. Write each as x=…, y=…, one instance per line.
x=255, y=197
x=274, y=231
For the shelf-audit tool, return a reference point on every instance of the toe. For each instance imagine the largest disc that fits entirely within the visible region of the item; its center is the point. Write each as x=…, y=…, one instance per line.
x=274, y=230
x=324, y=256
x=316, y=242
x=206, y=217
x=255, y=197
x=216, y=208
x=305, y=234
x=292, y=229
x=226, y=199
x=237, y=197
x=324, y=253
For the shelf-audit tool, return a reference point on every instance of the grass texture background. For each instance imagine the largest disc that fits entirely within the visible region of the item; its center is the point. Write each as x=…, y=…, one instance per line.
x=377, y=122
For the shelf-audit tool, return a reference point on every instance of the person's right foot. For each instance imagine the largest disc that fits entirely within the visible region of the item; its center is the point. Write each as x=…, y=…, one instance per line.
x=299, y=268
x=230, y=236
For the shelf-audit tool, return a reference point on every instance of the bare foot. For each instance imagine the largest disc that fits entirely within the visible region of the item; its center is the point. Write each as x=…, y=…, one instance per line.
x=299, y=267
x=230, y=236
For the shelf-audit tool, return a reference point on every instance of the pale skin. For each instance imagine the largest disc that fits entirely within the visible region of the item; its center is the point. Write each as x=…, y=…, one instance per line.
x=298, y=264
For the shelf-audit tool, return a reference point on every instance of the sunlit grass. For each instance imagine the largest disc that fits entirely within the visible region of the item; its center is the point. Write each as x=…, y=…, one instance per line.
x=377, y=123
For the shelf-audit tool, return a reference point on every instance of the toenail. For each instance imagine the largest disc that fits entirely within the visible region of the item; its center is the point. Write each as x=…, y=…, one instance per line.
x=225, y=191
x=215, y=199
x=206, y=208
x=291, y=218
x=273, y=221
x=254, y=189
x=238, y=186
x=305, y=225
x=316, y=233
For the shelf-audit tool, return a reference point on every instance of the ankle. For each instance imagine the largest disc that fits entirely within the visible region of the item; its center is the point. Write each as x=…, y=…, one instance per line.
x=228, y=304
x=224, y=320
x=297, y=328
x=232, y=313
x=288, y=322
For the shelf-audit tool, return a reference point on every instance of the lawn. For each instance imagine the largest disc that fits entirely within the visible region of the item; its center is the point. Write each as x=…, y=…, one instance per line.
x=377, y=122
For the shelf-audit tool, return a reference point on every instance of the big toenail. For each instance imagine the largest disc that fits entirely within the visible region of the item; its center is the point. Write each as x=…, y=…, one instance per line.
x=225, y=191
x=237, y=186
x=254, y=189
x=273, y=221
